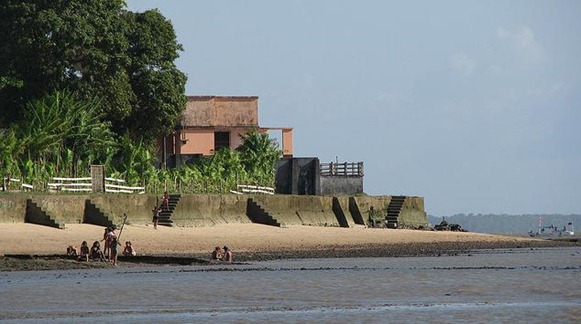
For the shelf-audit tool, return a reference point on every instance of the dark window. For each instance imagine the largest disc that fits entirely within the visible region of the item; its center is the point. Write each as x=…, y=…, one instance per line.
x=221, y=139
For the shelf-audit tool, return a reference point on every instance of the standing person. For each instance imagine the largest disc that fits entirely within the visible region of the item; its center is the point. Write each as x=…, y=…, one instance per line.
x=165, y=201
x=227, y=255
x=114, y=244
x=156, y=211
x=106, y=242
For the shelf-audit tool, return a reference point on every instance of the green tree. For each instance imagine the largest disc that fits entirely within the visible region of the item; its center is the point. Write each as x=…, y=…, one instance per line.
x=158, y=84
x=94, y=49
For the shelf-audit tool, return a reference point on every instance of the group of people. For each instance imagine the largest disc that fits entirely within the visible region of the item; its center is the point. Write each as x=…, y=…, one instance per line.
x=221, y=255
x=109, y=252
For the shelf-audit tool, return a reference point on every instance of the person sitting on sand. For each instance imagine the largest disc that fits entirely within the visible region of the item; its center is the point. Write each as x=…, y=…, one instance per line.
x=84, y=252
x=227, y=255
x=72, y=251
x=96, y=253
x=216, y=254
x=129, y=250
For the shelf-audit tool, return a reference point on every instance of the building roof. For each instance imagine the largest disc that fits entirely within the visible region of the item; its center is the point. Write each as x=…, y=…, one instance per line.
x=209, y=97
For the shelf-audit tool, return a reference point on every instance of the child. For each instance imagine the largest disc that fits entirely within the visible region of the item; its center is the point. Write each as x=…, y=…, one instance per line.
x=156, y=211
x=165, y=201
x=84, y=252
x=71, y=251
x=96, y=252
x=129, y=250
x=114, y=243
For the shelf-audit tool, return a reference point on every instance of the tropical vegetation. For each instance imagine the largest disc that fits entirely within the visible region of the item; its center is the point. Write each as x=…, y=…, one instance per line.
x=89, y=82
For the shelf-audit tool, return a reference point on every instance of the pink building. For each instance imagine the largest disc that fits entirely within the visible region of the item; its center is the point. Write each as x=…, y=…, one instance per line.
x=212, y=122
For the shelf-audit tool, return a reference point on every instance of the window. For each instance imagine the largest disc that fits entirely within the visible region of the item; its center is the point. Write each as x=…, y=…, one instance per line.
x=221, y=139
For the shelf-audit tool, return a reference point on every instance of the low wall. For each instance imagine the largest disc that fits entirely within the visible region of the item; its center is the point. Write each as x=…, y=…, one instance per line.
x=137, y=207
x=300, y=210
x=371, y=206
x=210, y=210
x=12, y=208
x=341, y=185
x=412, y=214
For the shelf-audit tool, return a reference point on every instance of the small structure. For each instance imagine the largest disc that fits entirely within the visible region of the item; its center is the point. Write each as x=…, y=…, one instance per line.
x=209, y=123
x=307, y=176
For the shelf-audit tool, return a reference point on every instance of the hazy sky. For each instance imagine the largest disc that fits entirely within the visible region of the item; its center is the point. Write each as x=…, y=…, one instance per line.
x=474, y=105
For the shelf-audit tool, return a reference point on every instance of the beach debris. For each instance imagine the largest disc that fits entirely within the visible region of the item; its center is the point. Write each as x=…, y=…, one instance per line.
x=445, y=226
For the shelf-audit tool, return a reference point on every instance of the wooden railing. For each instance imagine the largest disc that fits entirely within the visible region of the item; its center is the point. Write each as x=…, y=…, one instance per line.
x=6, y=184
x=342, y=169
x=85, y=185
x=242, y=189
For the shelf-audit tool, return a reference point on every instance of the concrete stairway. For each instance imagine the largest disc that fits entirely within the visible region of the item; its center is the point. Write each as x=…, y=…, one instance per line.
x=165, y=215
x=35, y=215
x=393, y=211
x=355, y=211
x=258, y=214
x=94, y=215
x=342, y=218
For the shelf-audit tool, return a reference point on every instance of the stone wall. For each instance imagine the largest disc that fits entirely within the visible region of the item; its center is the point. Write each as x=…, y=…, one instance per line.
x=211, y=210
x=300, y=210
x=341, y=185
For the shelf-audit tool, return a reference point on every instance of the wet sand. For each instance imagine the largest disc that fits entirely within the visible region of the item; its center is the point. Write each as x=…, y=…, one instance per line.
x=29, y=247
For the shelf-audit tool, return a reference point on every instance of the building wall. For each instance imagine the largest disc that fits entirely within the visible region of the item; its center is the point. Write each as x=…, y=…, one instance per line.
x=198, y=142
x=341, y=185
x=199, y=112
x=297, y=176
x=287, y=142
x=204, y=111
x=235, y=111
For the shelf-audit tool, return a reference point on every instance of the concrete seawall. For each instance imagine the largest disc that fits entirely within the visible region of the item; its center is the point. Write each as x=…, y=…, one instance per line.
x=205, y=210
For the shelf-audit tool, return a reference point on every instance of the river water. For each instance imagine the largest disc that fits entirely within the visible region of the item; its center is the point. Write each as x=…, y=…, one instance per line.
x=541, y=285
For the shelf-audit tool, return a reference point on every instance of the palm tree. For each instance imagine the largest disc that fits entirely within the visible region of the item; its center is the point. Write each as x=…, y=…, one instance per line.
x=259, y=155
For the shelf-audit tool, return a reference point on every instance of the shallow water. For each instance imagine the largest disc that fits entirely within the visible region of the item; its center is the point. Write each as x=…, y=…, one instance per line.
x=520, y=285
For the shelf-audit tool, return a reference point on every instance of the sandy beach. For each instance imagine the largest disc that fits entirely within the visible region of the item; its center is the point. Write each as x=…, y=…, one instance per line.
x=247, y=239
x=35, y=239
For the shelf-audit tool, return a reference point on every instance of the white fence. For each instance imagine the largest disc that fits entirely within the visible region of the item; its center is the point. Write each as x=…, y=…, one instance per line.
x=242, y=189
x=6, y=184
x=112, y=185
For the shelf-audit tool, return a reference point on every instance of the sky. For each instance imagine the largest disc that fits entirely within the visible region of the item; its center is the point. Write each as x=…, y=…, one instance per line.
x=473, y=105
